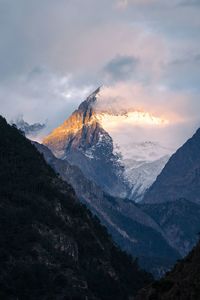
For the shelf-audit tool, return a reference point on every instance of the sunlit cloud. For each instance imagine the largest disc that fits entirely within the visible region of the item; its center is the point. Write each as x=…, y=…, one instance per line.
x=158, y=101
x=137, y=112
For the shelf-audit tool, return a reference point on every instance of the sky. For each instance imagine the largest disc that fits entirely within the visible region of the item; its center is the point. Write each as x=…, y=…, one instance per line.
x=54, y=53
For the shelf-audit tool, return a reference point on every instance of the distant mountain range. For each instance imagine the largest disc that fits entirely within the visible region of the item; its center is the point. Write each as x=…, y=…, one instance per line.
x=29, y=130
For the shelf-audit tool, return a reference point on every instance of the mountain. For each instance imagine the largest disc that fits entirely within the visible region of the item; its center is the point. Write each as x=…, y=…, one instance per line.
x=131, y=228
x=28, y=129
x=170, y=201
x=183, y=282
x=82, y=141
x=180, y=177
x=173, y=201
x=179, y=220
x=141, y=171
x=51, y=246
x=121, y=169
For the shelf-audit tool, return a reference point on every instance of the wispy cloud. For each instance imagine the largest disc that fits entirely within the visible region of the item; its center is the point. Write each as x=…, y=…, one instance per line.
x=174, y=107
x=194, y=59
x=121, y=68
x=41, y=95
x=125, y=3
x=190, y=3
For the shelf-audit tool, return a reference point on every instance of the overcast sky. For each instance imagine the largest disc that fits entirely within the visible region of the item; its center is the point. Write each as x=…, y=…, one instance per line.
x=53, y=53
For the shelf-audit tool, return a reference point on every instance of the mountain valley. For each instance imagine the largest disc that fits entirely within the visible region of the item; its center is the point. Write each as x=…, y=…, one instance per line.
x=109, y=178
x=51, y=245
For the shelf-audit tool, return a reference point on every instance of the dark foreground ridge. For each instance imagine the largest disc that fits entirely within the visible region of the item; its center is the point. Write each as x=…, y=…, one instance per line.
x=51, y=247
x=180, y=178
x=183, y=283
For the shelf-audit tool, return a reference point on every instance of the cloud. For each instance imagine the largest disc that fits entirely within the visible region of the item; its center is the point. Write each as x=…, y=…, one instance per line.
x=125, y=3
x=155, y=99
x=190, y=3
x=173, y=106
x=52, y=56
x=187, y=60
x=30, y=130
x=173, y=3
x=121, y=68
x=183, y=73
x=41, y=95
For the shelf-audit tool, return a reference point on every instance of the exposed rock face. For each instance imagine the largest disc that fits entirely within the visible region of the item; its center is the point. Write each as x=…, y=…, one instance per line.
x=131, y=228
x=70, y=135
x=83, y=142
x=82, y=139
x=51, y=247
x=183, y=282
x=180, y=177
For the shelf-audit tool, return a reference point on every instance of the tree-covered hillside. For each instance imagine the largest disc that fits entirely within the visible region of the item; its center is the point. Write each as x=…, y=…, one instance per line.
x=182, y=283
x=51, y=247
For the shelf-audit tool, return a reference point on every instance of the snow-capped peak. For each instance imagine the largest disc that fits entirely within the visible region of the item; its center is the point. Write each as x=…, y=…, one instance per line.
x=112, y=145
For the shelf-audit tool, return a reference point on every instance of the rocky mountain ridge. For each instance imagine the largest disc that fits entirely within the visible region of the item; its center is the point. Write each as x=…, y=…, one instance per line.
x=28, y=129
x=83, y=140
x=173, y=200
x=180, y=178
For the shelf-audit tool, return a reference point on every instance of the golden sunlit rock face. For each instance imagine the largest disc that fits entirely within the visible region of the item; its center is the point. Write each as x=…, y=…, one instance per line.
x=57, y=138
x=89, y=116
x=71, y=131
x=73, y=126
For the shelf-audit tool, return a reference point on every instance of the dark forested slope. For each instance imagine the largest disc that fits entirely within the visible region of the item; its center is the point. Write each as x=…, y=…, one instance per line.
x=131, y=228
x=180, y=178
x=182, y=283
x=51, y=247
